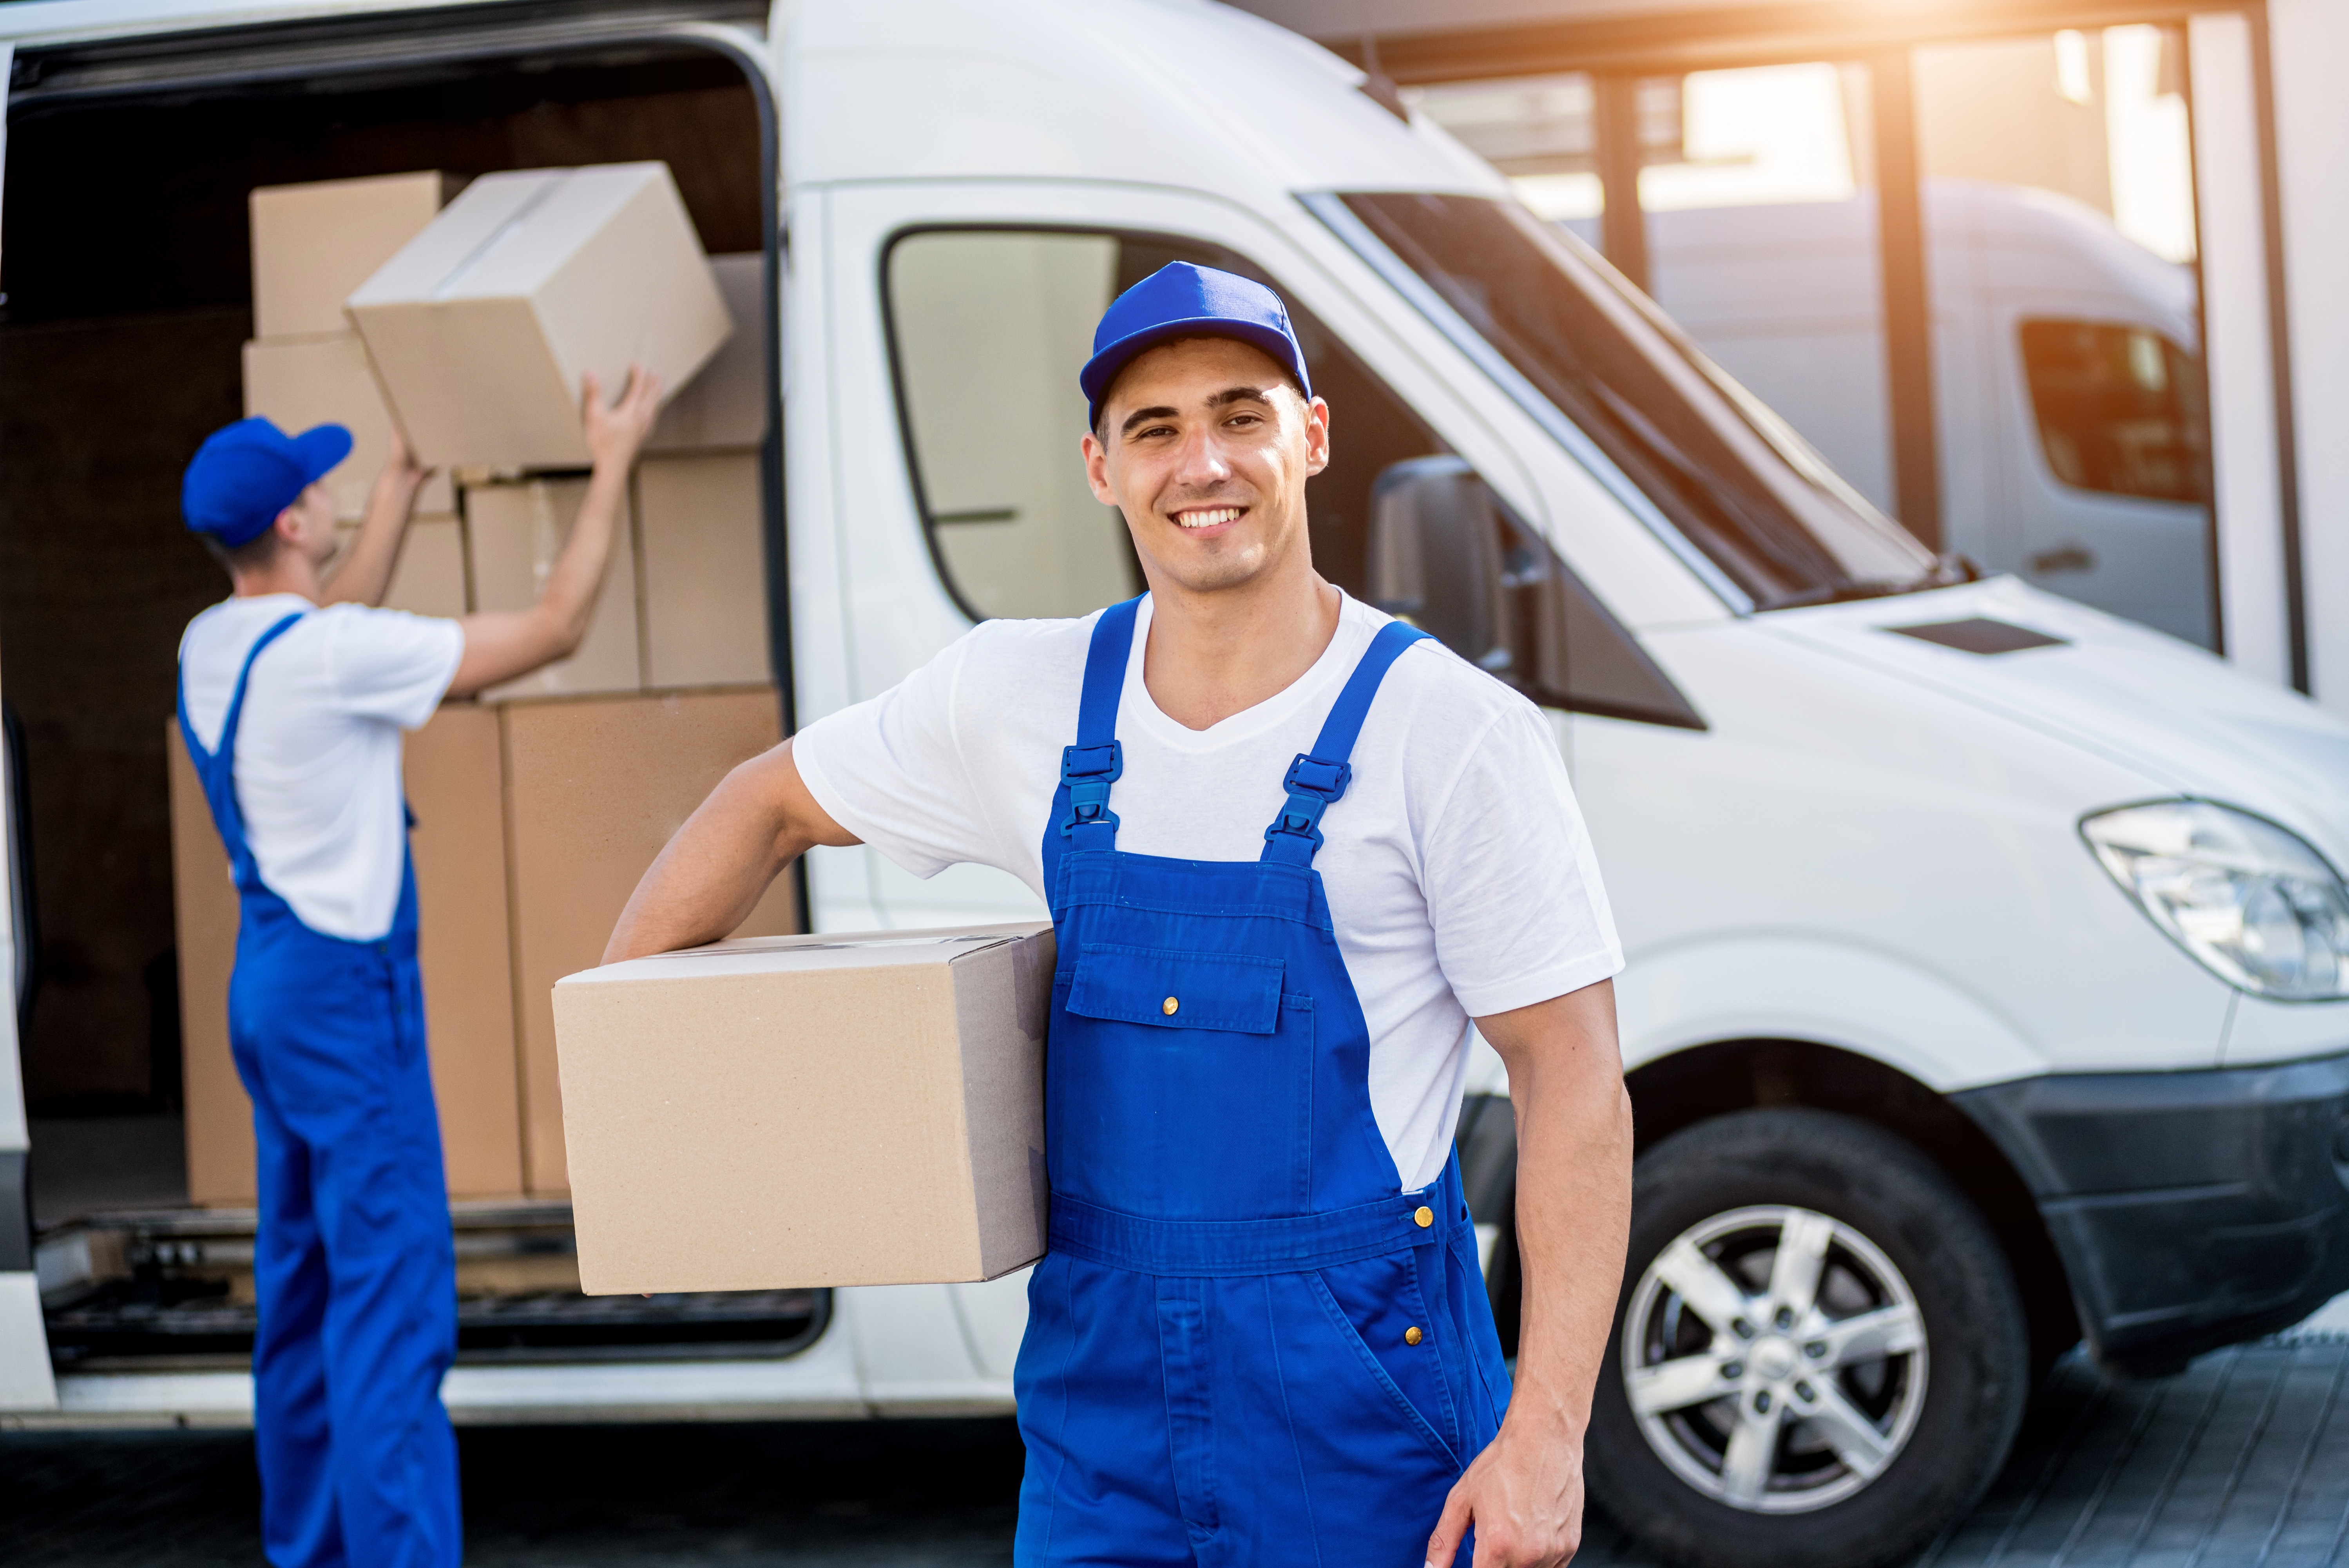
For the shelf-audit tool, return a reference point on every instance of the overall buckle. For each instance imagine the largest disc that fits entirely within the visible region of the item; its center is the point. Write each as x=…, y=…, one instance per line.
x=1087, y=772
x=1313, y=786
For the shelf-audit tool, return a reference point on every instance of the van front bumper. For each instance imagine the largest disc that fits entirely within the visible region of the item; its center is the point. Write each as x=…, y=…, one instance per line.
x=2191, y=1210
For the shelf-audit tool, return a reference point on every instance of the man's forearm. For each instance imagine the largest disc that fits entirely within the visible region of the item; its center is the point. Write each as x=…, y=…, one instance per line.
x=578, y=573
x=1574, y=1207
x=714, y=871
x=364, y=576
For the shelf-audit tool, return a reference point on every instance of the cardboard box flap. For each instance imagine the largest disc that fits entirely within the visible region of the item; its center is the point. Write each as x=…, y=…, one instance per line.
x=441, y=253
x=785, y=954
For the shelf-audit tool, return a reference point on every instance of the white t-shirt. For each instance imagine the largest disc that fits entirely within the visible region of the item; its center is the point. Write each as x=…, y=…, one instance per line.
x=1460, y=878
x=318, y=751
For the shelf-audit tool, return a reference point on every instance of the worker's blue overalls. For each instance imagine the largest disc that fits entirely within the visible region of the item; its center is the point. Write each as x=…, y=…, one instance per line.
x=353, y=1262
x=1246, y=1344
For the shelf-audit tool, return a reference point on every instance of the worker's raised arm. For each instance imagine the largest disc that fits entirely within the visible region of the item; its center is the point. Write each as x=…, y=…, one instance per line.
x=758, y=819
x=502, y=645
x=363, y=575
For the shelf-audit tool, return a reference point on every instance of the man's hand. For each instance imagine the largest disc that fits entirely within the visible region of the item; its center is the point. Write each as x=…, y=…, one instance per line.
x=1524, y=1493
x=401, y=468
x=615, y=434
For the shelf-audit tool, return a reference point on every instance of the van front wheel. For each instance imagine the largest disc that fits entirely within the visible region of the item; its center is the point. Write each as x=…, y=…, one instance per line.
x=1820, y=1358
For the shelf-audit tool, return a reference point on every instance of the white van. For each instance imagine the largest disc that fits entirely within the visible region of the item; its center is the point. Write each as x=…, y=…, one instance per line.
x=1988, y=965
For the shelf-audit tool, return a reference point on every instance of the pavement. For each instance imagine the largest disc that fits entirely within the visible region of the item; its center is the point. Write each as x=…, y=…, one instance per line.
x=2241, y=1461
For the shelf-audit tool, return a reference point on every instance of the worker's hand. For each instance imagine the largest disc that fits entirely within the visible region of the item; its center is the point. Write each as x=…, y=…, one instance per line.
x=401, y=468
x=1524, y=1495
x=615, y=434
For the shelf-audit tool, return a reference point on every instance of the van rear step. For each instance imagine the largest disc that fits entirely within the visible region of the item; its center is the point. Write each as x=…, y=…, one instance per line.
x=132, y=1288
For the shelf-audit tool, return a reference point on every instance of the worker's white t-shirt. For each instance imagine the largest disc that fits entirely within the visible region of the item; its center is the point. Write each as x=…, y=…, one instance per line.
x=1460, y=878
x=318, y=751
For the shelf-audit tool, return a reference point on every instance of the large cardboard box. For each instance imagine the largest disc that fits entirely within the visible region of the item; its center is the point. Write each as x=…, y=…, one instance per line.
x=705, y=570
x=822, y=1110
x=725, y=406
x=597, y=787
x=304, y=381
x=428, y=579
x=513, y=533
x=481, y=326
x=312, y=244
x=453, y=776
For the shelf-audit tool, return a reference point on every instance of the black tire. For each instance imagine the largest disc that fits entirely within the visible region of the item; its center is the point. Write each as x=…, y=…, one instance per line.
x=1958, y=1395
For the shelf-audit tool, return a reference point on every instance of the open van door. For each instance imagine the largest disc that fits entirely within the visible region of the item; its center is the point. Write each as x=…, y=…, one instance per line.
x=25, y=1381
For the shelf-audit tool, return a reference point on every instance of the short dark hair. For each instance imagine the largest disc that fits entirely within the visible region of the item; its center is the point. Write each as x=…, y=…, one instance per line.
x=254, y=555
x=1101, y=425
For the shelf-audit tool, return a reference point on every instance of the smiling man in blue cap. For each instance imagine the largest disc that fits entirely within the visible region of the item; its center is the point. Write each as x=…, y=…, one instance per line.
x=294, y=693
x=1292, y=848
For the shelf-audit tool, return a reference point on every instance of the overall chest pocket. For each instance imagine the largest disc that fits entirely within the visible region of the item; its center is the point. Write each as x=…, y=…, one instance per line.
x=1174, y=990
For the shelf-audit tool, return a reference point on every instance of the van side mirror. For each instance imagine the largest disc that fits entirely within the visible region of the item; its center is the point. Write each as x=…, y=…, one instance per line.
x=1436, y=556
x=1450, y=557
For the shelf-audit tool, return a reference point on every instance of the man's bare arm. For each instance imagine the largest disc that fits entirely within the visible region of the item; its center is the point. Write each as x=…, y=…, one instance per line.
x=758, y=819
x=1524, y=1493
x=502, y=645
x=364, y=575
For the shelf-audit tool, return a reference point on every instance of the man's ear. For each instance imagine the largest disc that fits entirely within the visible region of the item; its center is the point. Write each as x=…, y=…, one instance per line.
x=1096, y=457
x=1317, y=436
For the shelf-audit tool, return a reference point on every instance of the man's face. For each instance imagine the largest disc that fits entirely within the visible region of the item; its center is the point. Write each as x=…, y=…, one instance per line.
x=1206, y=447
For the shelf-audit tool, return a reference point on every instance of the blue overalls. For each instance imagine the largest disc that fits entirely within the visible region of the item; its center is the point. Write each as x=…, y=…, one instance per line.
x=353, y=1262
x=1246, y=1344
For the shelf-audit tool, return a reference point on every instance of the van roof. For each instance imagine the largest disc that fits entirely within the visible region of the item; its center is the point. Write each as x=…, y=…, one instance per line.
x=1179, y=93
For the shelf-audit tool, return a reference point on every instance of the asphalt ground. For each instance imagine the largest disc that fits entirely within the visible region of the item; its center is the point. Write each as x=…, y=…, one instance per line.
x=2241, y=1461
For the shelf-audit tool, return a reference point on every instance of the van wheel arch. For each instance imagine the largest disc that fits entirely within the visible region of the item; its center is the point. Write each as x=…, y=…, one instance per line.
x=1700, y=1083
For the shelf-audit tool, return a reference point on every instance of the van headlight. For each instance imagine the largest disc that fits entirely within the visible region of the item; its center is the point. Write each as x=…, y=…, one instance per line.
x=2254, y=903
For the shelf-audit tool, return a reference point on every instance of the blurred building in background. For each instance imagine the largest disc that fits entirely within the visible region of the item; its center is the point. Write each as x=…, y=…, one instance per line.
x=2014, y=266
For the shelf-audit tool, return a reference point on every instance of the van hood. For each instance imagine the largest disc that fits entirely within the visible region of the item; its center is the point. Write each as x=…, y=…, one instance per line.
x=2187, y=720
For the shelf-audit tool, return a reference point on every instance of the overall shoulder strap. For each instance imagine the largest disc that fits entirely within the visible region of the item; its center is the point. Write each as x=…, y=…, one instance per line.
x=217, y=766
x=1081, y=806
x=245, y=678
x=1316, y=779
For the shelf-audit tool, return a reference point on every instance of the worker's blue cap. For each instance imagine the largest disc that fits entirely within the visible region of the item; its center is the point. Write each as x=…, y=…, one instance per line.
x=1180, y=300
x=244, y=475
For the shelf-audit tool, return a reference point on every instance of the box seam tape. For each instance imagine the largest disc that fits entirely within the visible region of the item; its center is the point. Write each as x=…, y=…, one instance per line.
x=501, y=234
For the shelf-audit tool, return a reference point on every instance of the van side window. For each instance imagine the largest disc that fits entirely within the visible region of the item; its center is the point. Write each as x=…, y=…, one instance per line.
x=2119, y=409
x=988, y=328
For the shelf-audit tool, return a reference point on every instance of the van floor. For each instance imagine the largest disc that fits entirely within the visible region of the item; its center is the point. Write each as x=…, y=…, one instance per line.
x=87, y=1165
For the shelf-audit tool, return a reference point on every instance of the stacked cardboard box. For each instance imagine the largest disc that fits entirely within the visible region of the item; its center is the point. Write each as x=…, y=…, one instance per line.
x=312, y=244
x=540, y=807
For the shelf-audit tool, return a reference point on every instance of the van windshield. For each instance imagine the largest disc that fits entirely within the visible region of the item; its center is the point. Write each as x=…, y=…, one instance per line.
x=1732, y=476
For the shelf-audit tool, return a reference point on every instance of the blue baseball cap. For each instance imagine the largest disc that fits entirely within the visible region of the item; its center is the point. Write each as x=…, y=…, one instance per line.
x=244, y=475
x=1180, y=300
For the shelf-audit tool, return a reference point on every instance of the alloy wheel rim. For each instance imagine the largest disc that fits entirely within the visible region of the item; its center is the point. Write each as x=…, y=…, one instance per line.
x=1774, y=1358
